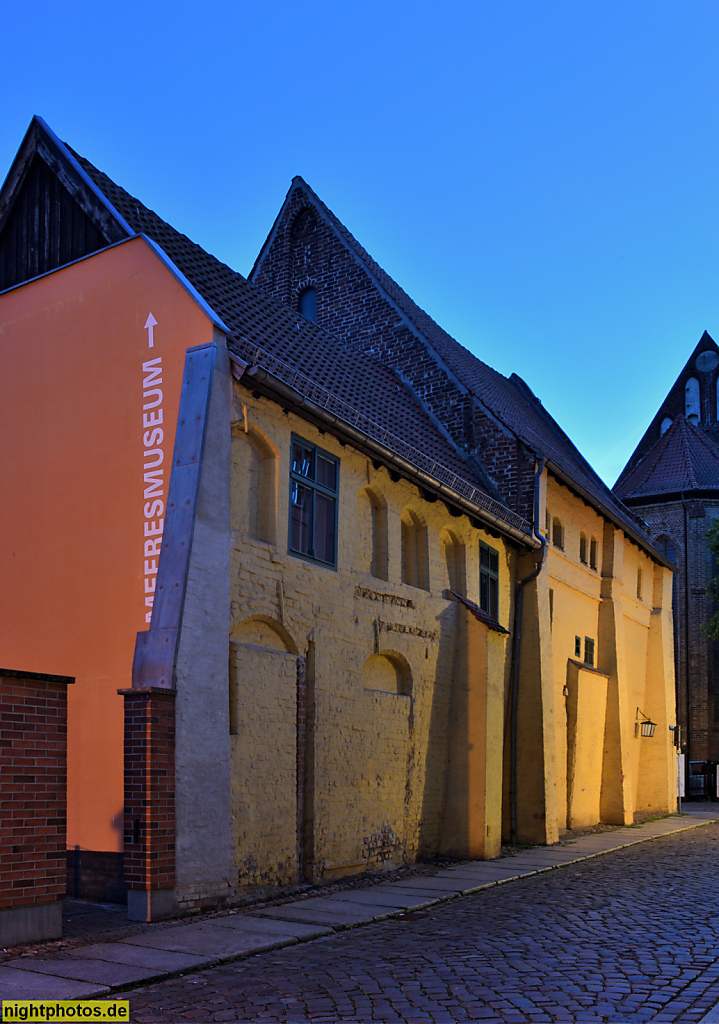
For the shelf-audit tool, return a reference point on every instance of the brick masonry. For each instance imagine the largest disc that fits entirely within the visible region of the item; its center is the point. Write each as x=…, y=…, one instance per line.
x=33, y=788
x=336, y=769
x=684, y=519
x=696, y=658
x=306, y=250
x=149, y=788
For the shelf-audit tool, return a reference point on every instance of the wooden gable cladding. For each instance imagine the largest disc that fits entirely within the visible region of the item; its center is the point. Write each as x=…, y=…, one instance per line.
x=50, y=213
x=44, y=230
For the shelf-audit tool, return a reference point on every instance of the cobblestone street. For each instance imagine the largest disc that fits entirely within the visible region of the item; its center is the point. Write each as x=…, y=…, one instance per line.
x=629, y=936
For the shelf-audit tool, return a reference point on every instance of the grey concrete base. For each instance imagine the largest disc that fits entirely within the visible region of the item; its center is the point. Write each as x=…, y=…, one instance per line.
x=394, y=900
x=144, y=956
x=155, y=905
x=98, y=971
x=422, y=896
x=486, y=873
x=202, y=944
x=444, y=884
x=271, y=928
x=210, y=940
x=35, y=923
x=16, y=984
x=333, y=913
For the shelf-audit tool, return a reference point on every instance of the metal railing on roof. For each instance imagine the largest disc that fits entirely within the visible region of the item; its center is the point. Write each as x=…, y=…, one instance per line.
x=318, y=394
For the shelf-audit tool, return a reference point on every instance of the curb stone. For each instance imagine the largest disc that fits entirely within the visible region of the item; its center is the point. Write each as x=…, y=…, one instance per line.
x=188, y=948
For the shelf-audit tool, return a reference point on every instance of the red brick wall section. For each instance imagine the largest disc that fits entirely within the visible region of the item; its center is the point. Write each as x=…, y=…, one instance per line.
x=33, y=788
x=697, y=658
x=149, y=788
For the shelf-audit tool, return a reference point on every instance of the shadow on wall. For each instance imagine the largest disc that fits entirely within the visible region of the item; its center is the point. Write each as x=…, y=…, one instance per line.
x=434, y=812
x=93, y=875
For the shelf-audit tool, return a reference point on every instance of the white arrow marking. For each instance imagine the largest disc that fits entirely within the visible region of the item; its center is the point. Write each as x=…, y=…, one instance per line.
x=149, y=324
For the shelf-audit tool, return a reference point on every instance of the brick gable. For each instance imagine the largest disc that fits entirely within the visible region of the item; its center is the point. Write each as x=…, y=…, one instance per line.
x=304, y=249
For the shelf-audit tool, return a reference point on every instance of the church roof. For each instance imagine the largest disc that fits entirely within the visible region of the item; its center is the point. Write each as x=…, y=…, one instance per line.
x=508, y=399
x=703, y=366
x=684, y=459
x=263, y=330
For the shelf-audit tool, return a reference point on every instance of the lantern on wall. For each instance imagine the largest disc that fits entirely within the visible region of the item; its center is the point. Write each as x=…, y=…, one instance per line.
x=643, y=725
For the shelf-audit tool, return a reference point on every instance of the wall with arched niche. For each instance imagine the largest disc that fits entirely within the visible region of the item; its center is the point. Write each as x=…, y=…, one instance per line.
x=254, y=484
x=415, y=554
x=372, y=545
x=382, y=757
x=453, y=561
x=263, y=751
x=387, y=673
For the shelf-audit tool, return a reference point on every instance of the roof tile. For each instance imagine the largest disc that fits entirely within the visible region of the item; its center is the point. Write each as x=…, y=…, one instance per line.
x=264, y=329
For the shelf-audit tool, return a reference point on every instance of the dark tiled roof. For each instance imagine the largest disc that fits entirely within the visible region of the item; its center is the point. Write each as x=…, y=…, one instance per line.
x=675, y=403
x=509, y=399
x=683, y=459
x=264, y=329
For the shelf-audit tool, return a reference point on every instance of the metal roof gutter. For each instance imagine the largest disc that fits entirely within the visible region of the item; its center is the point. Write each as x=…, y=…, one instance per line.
x=365, y=443
x=634, y=534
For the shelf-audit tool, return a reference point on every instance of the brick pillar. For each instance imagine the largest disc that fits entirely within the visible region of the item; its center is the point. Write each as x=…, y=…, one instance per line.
x=33, y=785
x=149, y=802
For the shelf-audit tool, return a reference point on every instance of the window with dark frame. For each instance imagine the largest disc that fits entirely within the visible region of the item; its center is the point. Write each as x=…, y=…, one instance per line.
x=489, y=580
x=577, y=647
x=589, y=651
x=314, y=485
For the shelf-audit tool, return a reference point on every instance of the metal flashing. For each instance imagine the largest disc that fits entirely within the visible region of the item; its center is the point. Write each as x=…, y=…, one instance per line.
x=189, y=288
x=83, y=174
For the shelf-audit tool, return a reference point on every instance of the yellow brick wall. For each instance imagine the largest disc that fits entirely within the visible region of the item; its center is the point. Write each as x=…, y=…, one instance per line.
x=576, y=594
x=380, y=757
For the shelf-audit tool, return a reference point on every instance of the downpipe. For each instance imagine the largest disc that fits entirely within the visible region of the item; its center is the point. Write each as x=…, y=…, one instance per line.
x=516, y=650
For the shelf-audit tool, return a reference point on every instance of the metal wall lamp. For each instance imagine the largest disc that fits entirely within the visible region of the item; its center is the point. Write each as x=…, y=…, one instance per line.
x=643, y=725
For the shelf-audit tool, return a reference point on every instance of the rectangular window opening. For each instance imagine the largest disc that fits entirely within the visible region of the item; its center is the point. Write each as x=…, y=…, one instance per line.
x=489, y=580
x=588, y=651
x=314, y=486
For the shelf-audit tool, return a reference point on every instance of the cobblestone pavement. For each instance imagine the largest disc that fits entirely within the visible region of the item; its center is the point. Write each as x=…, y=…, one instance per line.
x=630, y=936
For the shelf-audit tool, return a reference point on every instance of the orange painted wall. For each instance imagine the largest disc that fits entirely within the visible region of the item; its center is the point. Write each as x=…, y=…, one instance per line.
x=72, y=568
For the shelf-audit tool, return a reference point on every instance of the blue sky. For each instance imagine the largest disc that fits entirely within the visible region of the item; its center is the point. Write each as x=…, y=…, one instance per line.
x=540, y=177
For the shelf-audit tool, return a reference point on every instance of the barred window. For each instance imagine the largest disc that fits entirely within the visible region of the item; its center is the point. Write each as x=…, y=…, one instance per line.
x=489, y=580
x=314, y=485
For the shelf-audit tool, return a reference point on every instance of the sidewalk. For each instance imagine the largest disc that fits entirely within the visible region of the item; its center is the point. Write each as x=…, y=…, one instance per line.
x=105, y=968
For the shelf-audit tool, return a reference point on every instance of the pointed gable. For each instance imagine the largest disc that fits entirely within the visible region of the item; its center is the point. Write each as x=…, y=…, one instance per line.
x=50, y=212
x=487, y=415
x=353, y=386
x=694, y=394
x=683, y=460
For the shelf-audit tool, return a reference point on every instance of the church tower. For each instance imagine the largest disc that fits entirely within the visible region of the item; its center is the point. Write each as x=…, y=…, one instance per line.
x=672, y=482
